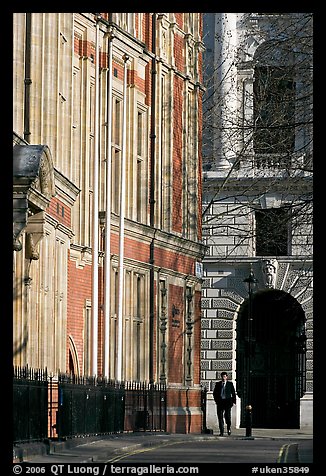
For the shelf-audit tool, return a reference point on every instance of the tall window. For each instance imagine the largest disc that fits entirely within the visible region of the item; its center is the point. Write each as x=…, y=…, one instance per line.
x=272, y=232
x=140, y=165
x=125, y=21
x=116, y=153
x=138, y=330
x=87, y=338
x=274, y=109
x=189, y=22
x=113, y=323
x=140, y=26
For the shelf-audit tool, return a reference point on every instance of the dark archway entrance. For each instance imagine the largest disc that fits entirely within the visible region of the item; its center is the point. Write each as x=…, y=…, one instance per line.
x=277, y=359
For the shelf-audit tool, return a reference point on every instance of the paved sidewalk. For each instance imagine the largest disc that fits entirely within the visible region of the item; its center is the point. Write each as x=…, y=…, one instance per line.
x=102, y=448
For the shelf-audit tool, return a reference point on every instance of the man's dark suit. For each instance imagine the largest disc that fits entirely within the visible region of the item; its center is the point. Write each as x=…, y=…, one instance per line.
x=223, y=406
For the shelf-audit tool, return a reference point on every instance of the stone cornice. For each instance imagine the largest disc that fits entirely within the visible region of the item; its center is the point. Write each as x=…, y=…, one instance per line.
x=183, y=76
x=162, y=238
x=295, y=184
x=59, y=226
x=65, y=188
x=238, y=261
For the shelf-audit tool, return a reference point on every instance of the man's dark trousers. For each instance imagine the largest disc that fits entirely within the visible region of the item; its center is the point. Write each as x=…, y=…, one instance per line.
x=224, y=412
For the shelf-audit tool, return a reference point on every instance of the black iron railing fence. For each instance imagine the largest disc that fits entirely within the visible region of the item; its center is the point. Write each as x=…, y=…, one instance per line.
x=30, y=404
x=89, y=406
x=145, y=406
x=63, y=406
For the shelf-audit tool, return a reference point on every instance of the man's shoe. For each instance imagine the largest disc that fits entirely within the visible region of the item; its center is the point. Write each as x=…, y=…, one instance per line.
x=221, y=434
x=229, y=432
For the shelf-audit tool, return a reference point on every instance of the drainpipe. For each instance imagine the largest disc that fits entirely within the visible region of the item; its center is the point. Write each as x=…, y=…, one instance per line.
x=152, y=204
x=95, y=244
x=27, y=79
x=121, y=227
x=107, y=246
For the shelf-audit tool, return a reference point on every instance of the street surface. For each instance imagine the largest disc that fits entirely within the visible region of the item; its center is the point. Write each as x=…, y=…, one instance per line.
x=177, y=450
x=220, y=451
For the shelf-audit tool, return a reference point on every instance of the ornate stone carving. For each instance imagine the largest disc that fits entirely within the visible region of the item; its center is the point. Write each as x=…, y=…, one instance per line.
x=33, y=185
x=270, y=267
x=31, y=251
x=164, y=43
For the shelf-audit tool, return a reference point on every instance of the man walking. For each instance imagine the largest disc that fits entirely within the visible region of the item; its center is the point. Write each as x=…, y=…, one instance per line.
x=225, y=397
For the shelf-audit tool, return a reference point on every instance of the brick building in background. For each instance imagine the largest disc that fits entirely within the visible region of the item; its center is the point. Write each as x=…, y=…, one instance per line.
x=123, y=303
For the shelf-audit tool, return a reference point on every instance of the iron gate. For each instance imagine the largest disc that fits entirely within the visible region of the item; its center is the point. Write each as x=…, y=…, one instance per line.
x=276, y=352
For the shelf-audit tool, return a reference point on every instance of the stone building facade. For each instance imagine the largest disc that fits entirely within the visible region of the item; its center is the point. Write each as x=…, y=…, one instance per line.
x=107, y=199
x=257, y=215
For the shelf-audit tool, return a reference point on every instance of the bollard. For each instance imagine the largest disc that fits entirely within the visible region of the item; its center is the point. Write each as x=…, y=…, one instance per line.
x=248, y=420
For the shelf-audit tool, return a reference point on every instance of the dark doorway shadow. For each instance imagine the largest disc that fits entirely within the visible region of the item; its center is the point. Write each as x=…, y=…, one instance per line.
x=276, y=351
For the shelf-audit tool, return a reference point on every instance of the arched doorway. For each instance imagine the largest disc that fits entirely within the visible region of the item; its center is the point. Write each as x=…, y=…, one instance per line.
x=276, y=351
